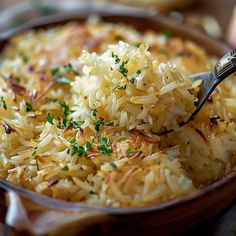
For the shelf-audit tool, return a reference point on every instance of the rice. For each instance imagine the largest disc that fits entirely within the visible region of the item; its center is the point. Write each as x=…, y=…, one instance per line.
x=82, y=106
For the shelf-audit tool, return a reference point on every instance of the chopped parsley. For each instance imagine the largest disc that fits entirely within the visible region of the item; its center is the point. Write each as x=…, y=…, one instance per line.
x=122, y=68
x=55, y=71
x=133, y=79
x=69, y=69
x=94, y=112
x=65, y=123
x=76, y=124
x=103, y=148
x=111, y=123
x=119, y=38
x=72, y=140
x=24, y=58
x=96, y=137
x=65, y=168
x=65, y=108
x=163, y=51
x=59, y=73
x=87, y=146
x=119, y=87
x=132, y=151
x=116, y=58
x=63, y=80
x=49, y=118
x=80, y=150
x=113, y=165
x=168, y=34
x=29, y=106
x=3, y=103
x=18, y=79
x=47, y=99
x=98, y=123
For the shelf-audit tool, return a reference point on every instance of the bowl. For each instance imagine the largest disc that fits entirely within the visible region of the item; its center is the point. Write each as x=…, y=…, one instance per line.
x=26, y=210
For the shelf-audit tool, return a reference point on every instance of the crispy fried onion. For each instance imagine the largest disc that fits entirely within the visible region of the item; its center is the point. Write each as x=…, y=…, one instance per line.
x=135, y=133
x=8, y=129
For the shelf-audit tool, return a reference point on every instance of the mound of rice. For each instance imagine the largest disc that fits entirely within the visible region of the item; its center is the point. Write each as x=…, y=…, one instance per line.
x=86, y=130
x=129, y=89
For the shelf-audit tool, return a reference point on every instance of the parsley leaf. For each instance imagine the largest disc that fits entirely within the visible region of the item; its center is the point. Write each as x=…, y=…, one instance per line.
x=132, y=151
x=72, y=140
x=133, y=79
x=122, y=68
x=63, y=80
x=65, y=168
x=111, y=123
x=113, y=165
x=120, y=87
x=94, y=112
x=29, y=106
x=163, y=51
x=65, y=108
x=116, y=58
x=3, y=103
x=98, y=123
x=55, y=71
x=168, y=34
x=49, y=118
x=103, y=148
x=69, y=69
x=81, y=150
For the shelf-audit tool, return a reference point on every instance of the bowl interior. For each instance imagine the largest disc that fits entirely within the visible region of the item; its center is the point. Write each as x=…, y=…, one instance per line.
x=141, y=21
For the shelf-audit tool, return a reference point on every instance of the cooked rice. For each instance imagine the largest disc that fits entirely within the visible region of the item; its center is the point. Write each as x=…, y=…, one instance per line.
x=95, y=139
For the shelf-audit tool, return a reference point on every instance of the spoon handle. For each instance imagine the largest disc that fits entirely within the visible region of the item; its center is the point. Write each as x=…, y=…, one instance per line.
x=225, y=66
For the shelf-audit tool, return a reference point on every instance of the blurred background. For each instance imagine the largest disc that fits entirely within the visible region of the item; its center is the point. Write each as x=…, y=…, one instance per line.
x=216, y=18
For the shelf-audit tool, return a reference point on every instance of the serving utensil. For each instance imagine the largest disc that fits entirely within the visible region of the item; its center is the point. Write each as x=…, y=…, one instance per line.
x=223, y=69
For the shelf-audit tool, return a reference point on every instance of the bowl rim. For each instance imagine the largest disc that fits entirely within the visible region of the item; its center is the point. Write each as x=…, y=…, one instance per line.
x=64, y=205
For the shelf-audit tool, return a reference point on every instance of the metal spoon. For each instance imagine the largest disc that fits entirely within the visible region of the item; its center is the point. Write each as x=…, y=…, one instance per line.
x=223, y=68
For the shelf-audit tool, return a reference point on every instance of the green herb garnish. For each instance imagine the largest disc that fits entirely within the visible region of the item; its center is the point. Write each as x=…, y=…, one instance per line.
x=87, y=146
x=116, y=58
x=63, y=80
x=29, y=106
x=133, y=79
x=98, y=123
x=111, y=123
x=72, y=140
x=55, y=71
x=65, y=168
x=18, y=79
x=103, y=148
x=3, y=103
x=94, y=112
x=163, y=51
x=24, y=58
x=132, y=151
x=120, y=87
x=122, y=68
x=65, y=108
x=168, y=34
x=69, y=69
x=49, y=118
x=113, y=165
x=80, y=150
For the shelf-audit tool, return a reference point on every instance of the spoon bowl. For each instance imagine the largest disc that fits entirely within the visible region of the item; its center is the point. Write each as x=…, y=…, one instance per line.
x=210, y=80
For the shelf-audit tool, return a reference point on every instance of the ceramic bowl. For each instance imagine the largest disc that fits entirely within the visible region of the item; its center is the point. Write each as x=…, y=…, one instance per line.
x=167, y=218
